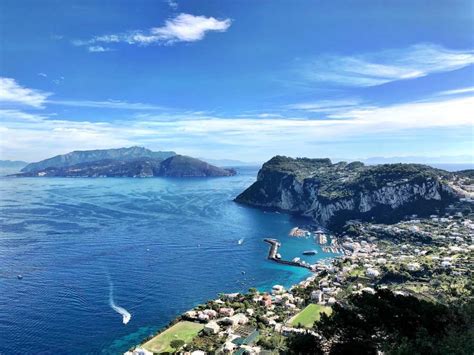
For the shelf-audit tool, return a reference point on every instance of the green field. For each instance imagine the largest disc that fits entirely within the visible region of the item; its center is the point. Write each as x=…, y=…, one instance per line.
x=185, y=331
x=309, y=315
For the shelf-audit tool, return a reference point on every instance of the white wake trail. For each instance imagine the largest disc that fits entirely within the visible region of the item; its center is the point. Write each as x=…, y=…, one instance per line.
x=125, y=314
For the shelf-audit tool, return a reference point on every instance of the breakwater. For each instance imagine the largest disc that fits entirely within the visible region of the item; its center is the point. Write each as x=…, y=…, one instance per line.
x=273, y=255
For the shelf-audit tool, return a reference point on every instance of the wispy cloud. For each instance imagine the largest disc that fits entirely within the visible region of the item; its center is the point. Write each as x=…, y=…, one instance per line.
x=460, y=91
x=98, y=49
x=182, y=28
x=109, y=104
x=325, y=106
x=173, y=4
x=13, y=93
x=31, y=136
x=372, y=69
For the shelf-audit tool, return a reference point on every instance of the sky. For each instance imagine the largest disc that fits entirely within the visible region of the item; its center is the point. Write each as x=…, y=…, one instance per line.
x=238, y=79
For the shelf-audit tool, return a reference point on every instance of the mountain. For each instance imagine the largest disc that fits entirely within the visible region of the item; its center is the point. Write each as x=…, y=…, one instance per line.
x=12, y=164
x=85, y=156
x=183, y=166
x=333, y=193
x=175, y=166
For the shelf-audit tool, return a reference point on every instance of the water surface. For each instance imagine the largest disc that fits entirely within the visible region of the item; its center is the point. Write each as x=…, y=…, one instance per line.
x=165, y=244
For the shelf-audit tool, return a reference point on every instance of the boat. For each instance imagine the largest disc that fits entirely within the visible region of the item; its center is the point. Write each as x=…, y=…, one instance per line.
x=310, y=252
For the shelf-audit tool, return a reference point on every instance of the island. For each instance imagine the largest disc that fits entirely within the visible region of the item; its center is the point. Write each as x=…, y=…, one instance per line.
x=123, y=162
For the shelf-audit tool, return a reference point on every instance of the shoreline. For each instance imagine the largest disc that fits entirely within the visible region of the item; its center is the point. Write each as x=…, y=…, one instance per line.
x=315, y=271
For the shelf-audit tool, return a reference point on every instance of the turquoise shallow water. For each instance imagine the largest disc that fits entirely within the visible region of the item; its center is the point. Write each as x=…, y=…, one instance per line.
x=166, y=244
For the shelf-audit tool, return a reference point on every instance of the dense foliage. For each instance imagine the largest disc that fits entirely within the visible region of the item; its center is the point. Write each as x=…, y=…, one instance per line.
x=394, y=324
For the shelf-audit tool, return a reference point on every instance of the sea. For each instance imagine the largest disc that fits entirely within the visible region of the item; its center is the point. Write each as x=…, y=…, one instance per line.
x=77, y=254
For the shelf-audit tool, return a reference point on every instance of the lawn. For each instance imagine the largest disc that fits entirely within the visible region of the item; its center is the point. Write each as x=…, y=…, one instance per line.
x=309, y=315
x=185, y=331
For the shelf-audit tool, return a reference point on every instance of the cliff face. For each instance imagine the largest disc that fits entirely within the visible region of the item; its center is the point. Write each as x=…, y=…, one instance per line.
x=334, y=193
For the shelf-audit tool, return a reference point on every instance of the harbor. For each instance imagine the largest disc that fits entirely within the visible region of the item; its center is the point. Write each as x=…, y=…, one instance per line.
x=276, y=257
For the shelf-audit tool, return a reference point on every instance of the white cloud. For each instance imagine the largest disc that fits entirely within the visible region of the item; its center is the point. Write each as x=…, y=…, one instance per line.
x=378, y=68
x=43, y=75
x=326, y=106
x=98, y=49
x=30, y=137
x=460, y=91
x=109, y=104
x=13, y=93
x=173, y=4
x=182, y=28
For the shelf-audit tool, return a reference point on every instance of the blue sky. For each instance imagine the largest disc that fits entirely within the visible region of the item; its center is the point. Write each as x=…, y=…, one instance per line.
x=237, y=79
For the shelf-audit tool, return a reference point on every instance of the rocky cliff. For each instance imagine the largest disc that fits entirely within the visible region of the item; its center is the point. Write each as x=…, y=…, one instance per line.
x=334, y=193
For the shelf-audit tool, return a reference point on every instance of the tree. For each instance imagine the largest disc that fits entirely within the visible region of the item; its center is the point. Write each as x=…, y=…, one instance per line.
x=304, y=344
x=177, y=344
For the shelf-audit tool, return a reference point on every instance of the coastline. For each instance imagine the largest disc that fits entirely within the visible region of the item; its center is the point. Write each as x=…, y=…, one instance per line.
x=311, y=274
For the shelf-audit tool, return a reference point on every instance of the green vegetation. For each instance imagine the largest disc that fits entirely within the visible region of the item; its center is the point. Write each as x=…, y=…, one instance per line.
x=311, y=314
x=177, y=335
x=398, y=325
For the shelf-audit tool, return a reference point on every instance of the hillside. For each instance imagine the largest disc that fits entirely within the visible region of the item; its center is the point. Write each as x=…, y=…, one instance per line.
x=85, y=156
x=175, y=166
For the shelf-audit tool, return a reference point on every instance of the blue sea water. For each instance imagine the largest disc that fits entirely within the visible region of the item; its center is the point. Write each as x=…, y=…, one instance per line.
x=166, y=244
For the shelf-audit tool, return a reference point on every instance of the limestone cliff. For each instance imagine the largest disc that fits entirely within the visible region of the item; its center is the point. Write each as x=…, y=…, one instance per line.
x=334, y=193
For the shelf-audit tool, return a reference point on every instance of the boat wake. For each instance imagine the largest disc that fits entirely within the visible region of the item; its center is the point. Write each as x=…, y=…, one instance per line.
x=240, y=241
x=125, y=314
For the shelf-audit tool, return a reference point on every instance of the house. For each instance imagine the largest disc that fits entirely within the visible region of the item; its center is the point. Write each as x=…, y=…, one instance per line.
x=239, y=318
x=278, y=289
x=211, y=328
x=203, y=317
x=371, y=272
x=210, y=312
x=317, y=296
x=266, y=300
x=227, y=312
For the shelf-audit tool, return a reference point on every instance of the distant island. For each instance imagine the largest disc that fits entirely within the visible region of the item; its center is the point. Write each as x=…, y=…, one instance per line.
x=12, y=164
x=123, y=162
x=332, y=194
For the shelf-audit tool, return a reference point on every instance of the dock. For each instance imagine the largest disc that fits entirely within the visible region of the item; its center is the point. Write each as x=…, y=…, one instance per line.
x=273, y=255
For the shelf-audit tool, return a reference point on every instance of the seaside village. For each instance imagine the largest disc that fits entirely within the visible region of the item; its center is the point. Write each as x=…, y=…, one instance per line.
x=431, y=258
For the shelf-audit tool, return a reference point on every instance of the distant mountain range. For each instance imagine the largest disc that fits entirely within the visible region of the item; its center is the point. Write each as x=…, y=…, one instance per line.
x=122, y=162
x=13, y=164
